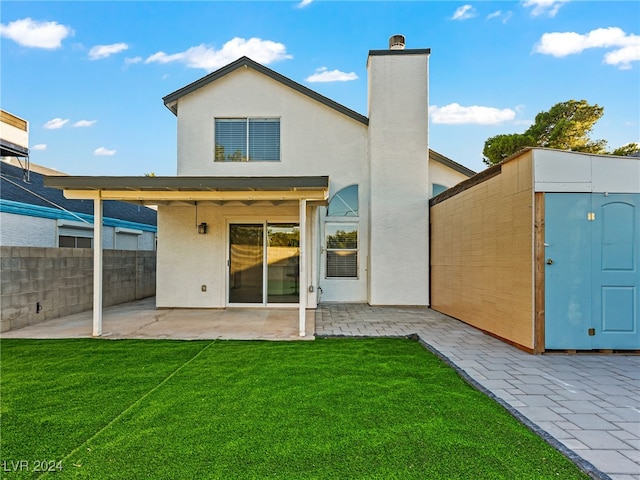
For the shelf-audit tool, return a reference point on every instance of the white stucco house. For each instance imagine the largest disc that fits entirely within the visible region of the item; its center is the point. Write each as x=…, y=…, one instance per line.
x=285, y=197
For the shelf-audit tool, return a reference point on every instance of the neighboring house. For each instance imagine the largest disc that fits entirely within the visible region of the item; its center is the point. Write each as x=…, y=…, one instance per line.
x=543, y=251
x=33, y=215
x=14, y=136
x=284, y=196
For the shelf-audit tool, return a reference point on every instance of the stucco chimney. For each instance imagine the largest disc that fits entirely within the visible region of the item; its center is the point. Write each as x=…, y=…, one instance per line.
x=396, y=42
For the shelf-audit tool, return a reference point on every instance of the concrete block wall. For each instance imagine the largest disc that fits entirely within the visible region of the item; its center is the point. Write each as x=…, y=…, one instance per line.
x=40, y=284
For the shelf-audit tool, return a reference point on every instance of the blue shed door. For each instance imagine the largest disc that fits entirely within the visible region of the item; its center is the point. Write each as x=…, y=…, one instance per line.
x=592, y=277
x=616, y=271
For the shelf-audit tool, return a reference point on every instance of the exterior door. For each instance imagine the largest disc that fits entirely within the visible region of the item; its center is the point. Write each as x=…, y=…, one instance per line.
x=592, y=277
x=616, y=271
x=264, y=263
x=246, y=261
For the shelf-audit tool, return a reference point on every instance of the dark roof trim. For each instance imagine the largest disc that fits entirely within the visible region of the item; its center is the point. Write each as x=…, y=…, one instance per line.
x=447, y=162
x=171, y=99
x=410, y=51
x=8, y=149
x=189, y=183
x=479, y=178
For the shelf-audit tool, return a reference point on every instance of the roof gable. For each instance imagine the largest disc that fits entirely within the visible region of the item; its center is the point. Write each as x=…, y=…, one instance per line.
x=447, y=162
x=171, y=100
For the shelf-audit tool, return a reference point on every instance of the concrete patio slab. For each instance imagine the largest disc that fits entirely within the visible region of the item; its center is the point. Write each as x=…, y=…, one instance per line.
x=142, y=320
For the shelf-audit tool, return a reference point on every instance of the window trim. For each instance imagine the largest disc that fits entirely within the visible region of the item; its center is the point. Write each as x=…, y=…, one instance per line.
x=337, y=197
x=75, y=241
x=247, y=121
x=356, y=250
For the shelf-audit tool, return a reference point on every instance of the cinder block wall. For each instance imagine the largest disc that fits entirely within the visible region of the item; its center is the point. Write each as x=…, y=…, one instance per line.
x=60, y=281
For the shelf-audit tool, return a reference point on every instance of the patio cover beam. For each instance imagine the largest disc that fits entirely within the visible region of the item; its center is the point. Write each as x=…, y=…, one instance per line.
x=219, y=196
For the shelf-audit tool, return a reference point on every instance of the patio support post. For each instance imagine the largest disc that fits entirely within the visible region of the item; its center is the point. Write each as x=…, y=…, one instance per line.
x=303, y=287
x=97, y=266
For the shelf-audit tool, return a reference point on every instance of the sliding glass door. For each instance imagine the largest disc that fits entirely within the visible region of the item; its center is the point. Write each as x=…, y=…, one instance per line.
x=263, y=269
x=246, y=259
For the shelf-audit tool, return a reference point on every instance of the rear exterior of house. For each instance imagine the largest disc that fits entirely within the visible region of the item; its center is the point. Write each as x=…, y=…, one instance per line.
x=543, y=251
x=284, y=197
x=378, y=182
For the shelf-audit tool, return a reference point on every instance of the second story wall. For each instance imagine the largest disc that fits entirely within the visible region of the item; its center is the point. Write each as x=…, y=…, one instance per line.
x=314, y=138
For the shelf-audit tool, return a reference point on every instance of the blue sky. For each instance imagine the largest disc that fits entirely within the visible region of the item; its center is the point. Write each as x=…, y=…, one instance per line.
x=90, y=76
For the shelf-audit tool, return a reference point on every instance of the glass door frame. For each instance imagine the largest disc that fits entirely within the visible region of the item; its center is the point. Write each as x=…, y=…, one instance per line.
x=265, y=223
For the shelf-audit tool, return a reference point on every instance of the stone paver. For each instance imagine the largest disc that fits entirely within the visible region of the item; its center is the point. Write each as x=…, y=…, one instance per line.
x=586, y=405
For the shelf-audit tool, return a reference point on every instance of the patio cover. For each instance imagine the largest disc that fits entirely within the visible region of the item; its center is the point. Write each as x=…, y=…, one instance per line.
x=167, y=190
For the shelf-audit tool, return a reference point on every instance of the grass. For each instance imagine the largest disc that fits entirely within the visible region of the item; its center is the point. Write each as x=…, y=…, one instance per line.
x=332, y=408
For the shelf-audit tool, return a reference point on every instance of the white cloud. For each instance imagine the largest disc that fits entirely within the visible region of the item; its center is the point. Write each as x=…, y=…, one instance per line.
x=324, y=75
x=540, y=7
x=40, y=146
x=207, y=58
x=304, y=3
x=132, y=60
x=623, y=56
x=31, y=33
x=103, y=152
x=103, y=51
x=56, y=123
x=626, y=47
x=84, y=123
x=456, y=114
x=464, y=12
x=505, y=16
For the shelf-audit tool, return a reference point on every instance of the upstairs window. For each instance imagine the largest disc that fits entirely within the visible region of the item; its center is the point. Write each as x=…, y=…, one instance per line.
x=247, y=139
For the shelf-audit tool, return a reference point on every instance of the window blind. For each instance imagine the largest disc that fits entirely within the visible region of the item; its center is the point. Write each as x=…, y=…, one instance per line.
x=247, y=139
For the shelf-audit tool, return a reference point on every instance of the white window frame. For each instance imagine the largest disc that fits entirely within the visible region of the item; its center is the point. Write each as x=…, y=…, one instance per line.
x=247, y=136
x=356, y=226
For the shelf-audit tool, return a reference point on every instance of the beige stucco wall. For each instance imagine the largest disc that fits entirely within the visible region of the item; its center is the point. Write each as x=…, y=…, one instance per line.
x=482, y=254
x=400, y=186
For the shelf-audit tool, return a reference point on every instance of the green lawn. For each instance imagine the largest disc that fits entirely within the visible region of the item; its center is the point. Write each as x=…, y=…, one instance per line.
x=331, y=408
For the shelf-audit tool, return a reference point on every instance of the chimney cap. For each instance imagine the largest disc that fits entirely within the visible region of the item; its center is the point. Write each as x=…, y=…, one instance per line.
x=396, y=42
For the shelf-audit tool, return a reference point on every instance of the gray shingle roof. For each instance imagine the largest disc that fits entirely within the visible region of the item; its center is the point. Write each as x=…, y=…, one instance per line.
x=35, y=193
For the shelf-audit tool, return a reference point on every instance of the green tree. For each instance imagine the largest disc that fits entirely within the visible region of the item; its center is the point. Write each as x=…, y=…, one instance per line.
x=628, y=149
x=500, y=147
x=565, y=126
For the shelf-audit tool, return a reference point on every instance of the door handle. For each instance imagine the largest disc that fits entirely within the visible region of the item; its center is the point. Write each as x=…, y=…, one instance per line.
x=549, y=261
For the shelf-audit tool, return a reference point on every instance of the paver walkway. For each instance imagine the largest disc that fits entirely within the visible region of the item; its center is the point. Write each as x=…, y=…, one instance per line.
x=588, y=405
